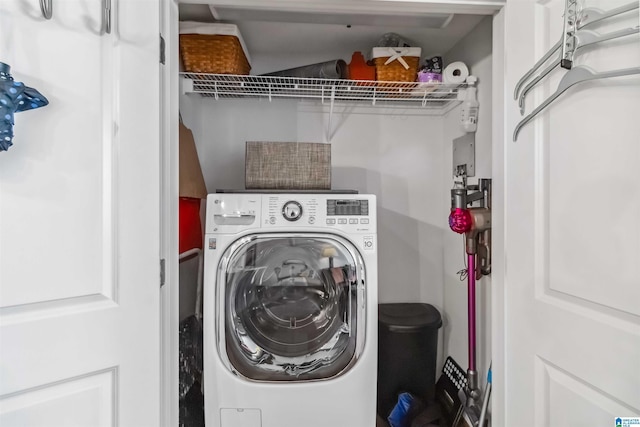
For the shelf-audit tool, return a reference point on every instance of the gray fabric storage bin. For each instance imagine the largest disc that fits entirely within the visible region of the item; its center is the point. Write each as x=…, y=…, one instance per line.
x=287, y=166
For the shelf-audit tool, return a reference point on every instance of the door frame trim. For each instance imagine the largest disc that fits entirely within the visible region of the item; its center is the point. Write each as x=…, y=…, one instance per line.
x=169, y=191
x=169, y=196
x=499, y=98
x=411, y=7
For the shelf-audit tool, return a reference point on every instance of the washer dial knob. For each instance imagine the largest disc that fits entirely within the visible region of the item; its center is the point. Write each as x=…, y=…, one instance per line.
x=292, y=211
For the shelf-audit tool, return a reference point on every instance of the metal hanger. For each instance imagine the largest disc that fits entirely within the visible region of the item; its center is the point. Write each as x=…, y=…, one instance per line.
x=46, y=6
x=587, y=17
x=574, y=76
x=583, y=38
x=106, y=16
x=592, y=15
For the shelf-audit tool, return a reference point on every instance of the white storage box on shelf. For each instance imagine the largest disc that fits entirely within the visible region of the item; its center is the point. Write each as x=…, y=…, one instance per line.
x=213, y=48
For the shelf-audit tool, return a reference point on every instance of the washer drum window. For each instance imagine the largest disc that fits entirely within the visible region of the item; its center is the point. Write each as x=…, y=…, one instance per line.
x=293, y=306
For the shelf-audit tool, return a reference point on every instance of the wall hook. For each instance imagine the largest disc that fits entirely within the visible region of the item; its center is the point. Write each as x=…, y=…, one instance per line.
x=46, y=6
x=14, y=97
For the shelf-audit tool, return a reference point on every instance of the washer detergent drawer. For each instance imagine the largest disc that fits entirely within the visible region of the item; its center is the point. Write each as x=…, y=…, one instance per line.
x=232, y=214
x=240, y=417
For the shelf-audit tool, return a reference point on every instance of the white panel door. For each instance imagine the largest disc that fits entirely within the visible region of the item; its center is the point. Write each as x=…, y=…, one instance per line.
x=572, y=227
x=79, y=217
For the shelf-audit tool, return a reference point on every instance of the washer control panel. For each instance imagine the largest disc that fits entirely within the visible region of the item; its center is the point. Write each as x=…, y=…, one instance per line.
x=347, y=212
x=347, y=207
x=235, y=212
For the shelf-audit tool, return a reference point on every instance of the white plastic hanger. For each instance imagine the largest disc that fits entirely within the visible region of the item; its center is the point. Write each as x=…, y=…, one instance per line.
x=587, y=17
x=574, y=76
x=583, y=38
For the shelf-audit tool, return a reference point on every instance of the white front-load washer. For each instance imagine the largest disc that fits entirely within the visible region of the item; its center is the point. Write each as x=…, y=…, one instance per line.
x=290, y=310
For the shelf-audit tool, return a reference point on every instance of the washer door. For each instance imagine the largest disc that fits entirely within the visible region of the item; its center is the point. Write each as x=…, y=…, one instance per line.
x=294, y=306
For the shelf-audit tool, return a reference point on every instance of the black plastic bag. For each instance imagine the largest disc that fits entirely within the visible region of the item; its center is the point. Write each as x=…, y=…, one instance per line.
x=190, y=345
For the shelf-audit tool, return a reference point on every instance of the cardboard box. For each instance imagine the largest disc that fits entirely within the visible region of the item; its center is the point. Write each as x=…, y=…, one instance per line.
x=287, y=166
x=191, y=179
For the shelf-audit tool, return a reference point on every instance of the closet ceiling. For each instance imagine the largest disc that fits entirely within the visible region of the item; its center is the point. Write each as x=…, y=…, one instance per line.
x=327, y=34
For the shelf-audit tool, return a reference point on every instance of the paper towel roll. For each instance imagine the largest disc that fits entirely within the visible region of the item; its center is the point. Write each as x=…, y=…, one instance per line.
x=455, y=73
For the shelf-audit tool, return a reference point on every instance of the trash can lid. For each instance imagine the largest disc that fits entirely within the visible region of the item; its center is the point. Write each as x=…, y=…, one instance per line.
x=409, y=316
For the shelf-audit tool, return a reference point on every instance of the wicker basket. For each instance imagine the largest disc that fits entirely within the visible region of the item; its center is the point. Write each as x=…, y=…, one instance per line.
x=216, y=54
x=395, y=71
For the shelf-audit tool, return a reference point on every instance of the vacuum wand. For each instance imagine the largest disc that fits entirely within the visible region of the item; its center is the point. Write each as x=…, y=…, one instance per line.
x=471, y=310
x=485, y=400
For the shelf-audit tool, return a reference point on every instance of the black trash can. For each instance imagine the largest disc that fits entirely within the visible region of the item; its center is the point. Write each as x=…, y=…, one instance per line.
x=407, y=352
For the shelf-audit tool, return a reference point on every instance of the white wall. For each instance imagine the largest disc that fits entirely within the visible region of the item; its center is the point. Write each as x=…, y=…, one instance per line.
x=395, y=153
x=475, y=51
x=402, y=155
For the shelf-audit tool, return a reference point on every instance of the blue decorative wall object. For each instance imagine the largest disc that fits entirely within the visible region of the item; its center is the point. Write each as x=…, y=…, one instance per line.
x=14, y=97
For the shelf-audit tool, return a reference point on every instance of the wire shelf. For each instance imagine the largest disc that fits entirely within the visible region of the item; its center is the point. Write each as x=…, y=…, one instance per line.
x=438, y=96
